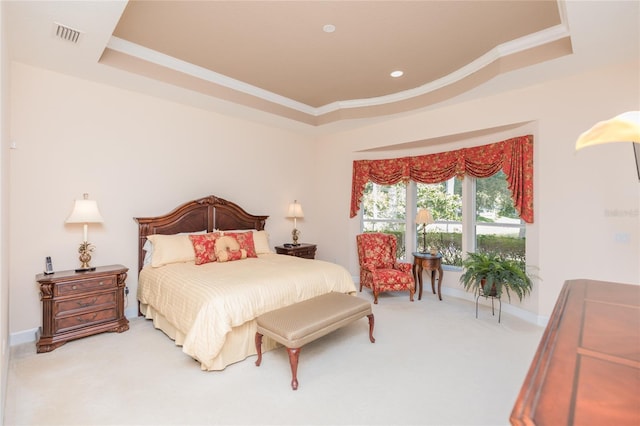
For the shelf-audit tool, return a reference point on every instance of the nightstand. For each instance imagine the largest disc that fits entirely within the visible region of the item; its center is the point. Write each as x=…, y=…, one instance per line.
x=80, y=304
x=307, y=251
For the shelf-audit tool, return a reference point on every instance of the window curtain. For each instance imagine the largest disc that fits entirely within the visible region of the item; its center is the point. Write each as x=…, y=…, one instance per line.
x=513, y=156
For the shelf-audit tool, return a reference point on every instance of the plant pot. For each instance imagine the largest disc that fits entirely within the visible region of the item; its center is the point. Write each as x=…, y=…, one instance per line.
x=492, y=293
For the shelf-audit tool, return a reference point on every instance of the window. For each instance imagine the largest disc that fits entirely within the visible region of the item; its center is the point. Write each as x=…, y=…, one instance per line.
x=384, y=210
x=444, y=201
x=494, y=227
x=498, y=228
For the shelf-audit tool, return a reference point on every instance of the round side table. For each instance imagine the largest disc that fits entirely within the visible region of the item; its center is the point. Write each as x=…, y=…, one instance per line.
x=427, y=262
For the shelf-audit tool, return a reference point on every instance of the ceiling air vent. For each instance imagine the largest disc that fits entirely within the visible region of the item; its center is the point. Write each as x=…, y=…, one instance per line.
x=67, y=33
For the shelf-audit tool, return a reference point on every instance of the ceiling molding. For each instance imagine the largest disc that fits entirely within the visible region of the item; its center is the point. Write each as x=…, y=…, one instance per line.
x=531, y=41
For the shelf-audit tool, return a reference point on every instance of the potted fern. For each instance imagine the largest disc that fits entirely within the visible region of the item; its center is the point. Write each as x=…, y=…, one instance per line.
x=490, y=274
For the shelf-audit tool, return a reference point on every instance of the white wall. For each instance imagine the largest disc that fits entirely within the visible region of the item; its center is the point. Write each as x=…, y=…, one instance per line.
x=141, y=156
x=137, y=156
x=575, y=234
x=4, y=213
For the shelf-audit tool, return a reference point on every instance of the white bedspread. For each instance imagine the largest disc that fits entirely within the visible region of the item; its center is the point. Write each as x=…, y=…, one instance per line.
x=205, y=302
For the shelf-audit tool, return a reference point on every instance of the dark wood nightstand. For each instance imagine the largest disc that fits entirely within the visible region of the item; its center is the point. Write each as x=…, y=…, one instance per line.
x=307, y=251
x=80, y=304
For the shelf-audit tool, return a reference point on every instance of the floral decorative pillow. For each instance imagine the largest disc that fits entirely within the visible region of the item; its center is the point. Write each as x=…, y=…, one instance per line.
x=228, y=248
x=246, y=242
x=204, y=247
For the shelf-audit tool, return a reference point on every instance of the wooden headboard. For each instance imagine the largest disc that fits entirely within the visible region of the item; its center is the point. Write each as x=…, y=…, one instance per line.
x=204, y=214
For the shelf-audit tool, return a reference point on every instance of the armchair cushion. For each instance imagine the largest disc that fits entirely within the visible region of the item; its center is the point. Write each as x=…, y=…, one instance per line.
x=403, y=266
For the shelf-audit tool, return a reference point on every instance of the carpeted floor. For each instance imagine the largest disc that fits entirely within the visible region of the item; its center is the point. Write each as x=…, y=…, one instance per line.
x=433, y=363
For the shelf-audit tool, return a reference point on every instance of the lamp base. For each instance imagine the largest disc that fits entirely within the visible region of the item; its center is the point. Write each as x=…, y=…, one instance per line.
x=91, y=268
x=294, y=236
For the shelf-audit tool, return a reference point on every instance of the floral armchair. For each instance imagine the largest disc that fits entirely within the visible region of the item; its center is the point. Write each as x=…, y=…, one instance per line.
x=379, y=268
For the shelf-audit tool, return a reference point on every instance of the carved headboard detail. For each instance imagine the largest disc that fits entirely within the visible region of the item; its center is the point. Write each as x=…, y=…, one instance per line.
x=204, y=214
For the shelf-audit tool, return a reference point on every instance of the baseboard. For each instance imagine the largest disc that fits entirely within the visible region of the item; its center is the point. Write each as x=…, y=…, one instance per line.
x=25, y=336
x=523, y=314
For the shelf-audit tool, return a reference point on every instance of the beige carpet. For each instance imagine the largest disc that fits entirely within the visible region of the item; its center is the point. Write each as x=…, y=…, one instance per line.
x=433, y=363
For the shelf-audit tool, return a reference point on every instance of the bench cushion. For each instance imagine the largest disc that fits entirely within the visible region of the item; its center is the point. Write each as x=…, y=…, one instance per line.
x=303, y=322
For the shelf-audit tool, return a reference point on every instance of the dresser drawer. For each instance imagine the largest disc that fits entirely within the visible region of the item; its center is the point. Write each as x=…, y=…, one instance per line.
x=83, y=286
x=66, y=323
x=83, y=303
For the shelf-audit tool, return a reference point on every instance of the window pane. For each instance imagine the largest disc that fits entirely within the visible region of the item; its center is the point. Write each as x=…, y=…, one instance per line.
x=384, y=210
x=444, y=201
x=384, y=201
x=498, y=227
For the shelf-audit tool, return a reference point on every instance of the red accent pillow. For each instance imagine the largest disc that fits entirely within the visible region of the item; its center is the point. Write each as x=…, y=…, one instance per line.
x=246, y=242
x=234, y=255
x=204, y=246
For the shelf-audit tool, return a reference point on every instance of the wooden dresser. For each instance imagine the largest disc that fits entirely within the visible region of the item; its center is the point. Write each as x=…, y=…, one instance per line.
x=80, y=304
x=587, y=367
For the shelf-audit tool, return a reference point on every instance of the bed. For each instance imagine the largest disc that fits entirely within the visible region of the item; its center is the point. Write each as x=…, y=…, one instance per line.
x=209, y=309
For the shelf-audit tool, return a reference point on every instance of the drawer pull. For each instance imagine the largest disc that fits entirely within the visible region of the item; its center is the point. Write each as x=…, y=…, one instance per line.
x=101, y=282
x=84, y=305
x=85, y=320
x=74, y=287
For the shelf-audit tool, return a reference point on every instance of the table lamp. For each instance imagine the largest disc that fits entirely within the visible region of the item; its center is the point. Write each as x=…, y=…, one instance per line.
x=85, y=211
x=295, y=212
x=424, y=217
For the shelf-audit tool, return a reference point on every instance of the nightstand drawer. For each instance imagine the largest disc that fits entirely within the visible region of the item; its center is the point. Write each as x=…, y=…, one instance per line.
x=79, y=287
x=64, y=324
x=84, y=303
x=306, y=251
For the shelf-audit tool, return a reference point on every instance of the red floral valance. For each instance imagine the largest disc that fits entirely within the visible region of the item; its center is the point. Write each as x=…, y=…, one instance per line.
x=513, y=156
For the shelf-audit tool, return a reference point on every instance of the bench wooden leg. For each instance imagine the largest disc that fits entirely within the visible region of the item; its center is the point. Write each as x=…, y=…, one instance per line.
x=371, y=321
x=294, y=354
x=259, y=348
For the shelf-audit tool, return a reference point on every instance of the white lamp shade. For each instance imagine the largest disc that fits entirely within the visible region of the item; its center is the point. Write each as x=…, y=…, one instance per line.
x=85, y=211
x=424, y=216
x=621, y=128
x=295, y=210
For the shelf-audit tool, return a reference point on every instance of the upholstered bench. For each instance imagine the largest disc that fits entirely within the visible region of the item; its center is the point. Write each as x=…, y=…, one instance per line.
x=298, y=324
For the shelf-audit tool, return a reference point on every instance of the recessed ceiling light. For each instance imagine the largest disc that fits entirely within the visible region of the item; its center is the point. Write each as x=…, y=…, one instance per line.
x=396, y=74
x=329, y=28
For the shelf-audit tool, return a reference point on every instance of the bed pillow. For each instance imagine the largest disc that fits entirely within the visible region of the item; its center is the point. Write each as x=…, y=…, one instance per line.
x=148, y=246
x=170, y=249
x=204, y=247
x=261, y=242
x=148, y=252
x=246, y=241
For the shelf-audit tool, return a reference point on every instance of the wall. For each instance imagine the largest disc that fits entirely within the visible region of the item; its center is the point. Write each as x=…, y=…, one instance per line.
x=137, y=156
x=586, y=203
x=4, y=216
x=141, y=156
